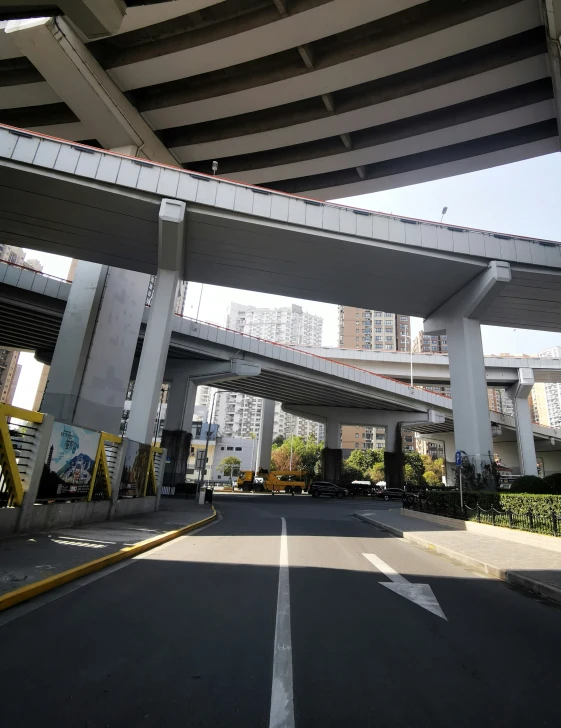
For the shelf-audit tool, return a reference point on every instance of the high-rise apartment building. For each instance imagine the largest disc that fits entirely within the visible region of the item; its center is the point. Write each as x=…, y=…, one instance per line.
x=499, y=401
x=540, y=412
x=9, y=367
x=427, y=343
x=552, y=391
x=239, y=415
x=365, y=328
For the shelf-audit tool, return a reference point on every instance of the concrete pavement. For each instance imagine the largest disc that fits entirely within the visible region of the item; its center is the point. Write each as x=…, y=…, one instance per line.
x=30, y=558
x=497, y=551
x=185, y=635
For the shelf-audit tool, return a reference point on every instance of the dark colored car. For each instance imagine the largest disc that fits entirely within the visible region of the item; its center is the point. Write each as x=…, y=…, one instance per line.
x=322, y=487
x=391, y=494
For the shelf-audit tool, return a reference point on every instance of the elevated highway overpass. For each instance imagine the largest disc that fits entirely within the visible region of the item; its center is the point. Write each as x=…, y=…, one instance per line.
x=329, y=97
x=324, y=384
x=103, y=207
x=434, y=369
x=143, y=217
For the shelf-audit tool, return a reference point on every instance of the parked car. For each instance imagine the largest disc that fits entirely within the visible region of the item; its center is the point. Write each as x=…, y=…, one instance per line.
x=322, y=487
x=391, y=494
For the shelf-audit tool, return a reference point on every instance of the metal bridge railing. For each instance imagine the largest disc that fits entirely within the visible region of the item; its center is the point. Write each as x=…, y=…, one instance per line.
x=19, y=437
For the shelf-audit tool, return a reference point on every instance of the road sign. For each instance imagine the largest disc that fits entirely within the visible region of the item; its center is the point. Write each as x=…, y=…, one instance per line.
x=458, y=457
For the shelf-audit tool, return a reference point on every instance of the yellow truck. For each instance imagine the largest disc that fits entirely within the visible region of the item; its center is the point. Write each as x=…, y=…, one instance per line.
x=279, y=481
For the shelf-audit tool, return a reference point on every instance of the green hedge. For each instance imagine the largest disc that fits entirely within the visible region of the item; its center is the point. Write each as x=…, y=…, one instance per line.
x=540, y=505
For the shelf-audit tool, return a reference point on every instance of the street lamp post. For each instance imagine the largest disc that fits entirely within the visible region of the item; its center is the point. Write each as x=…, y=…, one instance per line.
x=406, y=336
x=444, y=211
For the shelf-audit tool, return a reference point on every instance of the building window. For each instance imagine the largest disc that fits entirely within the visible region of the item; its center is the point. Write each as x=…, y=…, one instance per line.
x=404, y=318
x=378, y=346
x=388, y=322
x=356, y=435
x=389, y=338
x=229, y=448
x=378, y=338
x=357, y=444
x=388, y=346
x=378, y=330
x=222, y=448
x=378, y=322
x=238, y=449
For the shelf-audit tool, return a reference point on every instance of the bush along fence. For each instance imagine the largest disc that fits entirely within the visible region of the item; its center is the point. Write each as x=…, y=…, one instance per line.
x=523, y=511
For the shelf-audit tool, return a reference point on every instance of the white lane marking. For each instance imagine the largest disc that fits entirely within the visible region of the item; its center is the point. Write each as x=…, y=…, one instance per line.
x=20, y=610
x=282, y=697
x=420, y=594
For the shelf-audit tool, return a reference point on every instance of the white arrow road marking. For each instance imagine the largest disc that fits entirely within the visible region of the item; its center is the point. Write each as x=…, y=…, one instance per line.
x=420, y=594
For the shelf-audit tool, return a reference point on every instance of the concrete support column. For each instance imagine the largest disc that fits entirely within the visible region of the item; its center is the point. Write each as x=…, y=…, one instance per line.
x=266, y=435
x=472, y=421
x=459, y=318
x=158, y=331
x=176, y=437
x=332, y=454
x=92, y=361
x=519, y=394
x=394, y=459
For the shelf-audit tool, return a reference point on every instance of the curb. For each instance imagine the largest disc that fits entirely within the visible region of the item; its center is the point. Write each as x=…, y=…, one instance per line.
x=25, y=593
x=512, y=577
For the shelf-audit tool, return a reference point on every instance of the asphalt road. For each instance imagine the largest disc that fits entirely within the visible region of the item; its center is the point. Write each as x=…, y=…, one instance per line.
x=184, y=636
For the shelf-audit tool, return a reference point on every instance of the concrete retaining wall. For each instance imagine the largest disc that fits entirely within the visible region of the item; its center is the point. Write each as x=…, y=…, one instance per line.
x=130, y=506
x=62, y=515
x=8, y=521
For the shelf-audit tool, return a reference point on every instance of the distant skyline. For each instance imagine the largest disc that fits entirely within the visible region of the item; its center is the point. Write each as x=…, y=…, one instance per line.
x=520, y=198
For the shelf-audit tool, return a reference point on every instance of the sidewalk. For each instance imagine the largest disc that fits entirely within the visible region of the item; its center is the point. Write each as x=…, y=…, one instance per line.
x=529, y=566
x=34, y=563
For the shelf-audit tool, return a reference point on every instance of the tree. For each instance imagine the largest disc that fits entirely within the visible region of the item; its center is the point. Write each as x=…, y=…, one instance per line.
x=306, y=454
x=376, y=473
x=278, y=441
x=414, y=469
x=281, y=460
x=350, y=473
x=432, y=479
x=364, y=460
x=229, y=465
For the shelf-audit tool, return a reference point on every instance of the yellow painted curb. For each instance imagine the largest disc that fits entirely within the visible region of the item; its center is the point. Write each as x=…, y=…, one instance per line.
x=39, y=587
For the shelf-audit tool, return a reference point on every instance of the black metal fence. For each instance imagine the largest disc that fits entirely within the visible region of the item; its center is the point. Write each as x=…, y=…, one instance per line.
x=548, y=524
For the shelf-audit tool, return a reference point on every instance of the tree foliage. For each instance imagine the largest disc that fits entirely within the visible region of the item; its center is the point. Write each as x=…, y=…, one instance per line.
x=364, y=460
x=376, y=473
x=229, y=465
x=414, y=469
x=306, y=454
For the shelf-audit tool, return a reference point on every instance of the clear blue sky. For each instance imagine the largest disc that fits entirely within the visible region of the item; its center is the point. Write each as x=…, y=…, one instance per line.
x=522, y=198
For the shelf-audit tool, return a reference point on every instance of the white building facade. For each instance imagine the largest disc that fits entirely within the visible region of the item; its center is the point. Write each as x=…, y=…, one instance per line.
x=239, y=415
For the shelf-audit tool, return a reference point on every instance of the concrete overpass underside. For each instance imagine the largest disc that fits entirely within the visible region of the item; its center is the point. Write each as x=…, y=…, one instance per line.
x=325, y=97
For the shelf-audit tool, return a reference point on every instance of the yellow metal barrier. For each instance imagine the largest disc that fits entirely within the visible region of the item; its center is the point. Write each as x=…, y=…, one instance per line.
x=10, y=478
x=151, y=482
x=101, y=466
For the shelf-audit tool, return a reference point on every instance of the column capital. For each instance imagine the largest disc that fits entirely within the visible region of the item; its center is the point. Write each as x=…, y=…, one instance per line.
x=472, y=300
